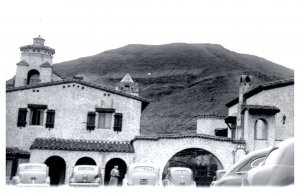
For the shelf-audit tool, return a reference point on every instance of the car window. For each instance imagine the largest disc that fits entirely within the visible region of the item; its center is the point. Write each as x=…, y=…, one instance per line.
x=85, y=169
x=181, y=172
x=36, y=168
x=256, y=162
x=249, y=165
x=143, y=168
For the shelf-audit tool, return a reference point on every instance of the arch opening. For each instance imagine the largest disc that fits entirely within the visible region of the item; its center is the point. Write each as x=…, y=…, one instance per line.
x=85, y=161
x=203, y=163
x=57, y=170
x=33, y=77
x=122, y=167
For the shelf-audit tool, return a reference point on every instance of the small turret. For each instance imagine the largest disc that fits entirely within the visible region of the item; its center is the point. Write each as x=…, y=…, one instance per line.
x=35, y=65
x=127, y=85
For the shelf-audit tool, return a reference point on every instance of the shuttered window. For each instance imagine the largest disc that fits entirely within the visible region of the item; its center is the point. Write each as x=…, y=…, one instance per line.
x=22, y=117
x=118, y=122
x=90, y=125
x=50, y=118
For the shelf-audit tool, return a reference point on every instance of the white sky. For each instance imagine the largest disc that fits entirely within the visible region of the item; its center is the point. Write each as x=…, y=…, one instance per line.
x=75, y=29
x=78, y=28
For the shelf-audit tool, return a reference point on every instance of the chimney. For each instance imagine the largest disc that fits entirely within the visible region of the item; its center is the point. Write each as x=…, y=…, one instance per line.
x=245, y=86
x=78, y=77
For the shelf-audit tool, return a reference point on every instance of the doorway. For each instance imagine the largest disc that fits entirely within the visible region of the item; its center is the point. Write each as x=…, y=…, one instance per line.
x=110, y=165
x=57, y=170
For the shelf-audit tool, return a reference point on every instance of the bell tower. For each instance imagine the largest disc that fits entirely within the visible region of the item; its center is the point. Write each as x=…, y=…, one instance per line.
x=35, y=65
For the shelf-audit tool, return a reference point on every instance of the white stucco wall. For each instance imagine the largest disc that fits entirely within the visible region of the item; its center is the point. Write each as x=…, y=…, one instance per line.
x=282, y=98
x=208, y=125
x=71, y=105
x=160, y=151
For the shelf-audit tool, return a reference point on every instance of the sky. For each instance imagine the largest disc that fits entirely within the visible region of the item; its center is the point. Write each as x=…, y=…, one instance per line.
x=266, y=28
x=79, y=28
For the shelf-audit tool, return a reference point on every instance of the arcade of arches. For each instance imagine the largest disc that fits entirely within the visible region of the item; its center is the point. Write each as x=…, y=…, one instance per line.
x=203, y=156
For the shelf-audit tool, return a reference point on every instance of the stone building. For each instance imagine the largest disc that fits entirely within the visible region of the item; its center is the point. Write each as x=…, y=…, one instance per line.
x=64, y=122
x=50, y=119
x=264, y=115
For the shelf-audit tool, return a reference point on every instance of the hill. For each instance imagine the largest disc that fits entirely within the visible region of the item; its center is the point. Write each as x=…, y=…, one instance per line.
x=181, y=80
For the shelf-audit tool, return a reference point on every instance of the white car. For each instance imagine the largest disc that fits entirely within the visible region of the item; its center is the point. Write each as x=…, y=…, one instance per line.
x=32, y=174
x=179, y=176
x=142, y=174
x=86, y=175
x=277, y=169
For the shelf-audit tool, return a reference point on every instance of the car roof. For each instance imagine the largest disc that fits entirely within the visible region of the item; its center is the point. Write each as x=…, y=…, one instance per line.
x=32, y=164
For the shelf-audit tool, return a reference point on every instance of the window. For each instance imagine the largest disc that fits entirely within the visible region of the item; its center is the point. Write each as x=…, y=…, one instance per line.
x=22, y=117
x=104, y=118
x=256, y=162
x=37, y=114
x=90, y=125
x=118, y=122
x=8, y=167
x=50, y=119
x=261, y=129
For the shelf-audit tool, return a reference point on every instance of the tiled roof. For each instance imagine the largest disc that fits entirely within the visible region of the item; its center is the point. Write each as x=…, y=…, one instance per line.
x=210, y=116
x=192, y=135
x=81, y=145
x=16, y=151
x=23, y=63
x=46, y=64
x=144, y=101
x=260, y=109
x=33, y=46
x=265, y=86
x=59, y=74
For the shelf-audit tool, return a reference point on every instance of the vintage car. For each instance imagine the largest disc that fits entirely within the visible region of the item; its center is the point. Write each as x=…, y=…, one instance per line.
x=32, y=174
x=142, y=174
x=277, y=169
x=234, y=176
x=179, y=176
x=86, y=175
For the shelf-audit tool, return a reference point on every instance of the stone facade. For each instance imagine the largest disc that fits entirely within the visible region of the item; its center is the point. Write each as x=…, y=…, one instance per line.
x=71, y=101
x=266, y=98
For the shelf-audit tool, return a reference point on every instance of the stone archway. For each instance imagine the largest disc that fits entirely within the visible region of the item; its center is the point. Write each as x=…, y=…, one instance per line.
x=33, y=77
x=203, y=163
x=85, y=161
x=109, y=166
x=57, y=170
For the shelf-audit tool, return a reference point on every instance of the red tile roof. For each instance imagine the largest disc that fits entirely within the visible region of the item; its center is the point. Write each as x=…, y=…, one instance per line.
x=192, y=135
x=81, y=145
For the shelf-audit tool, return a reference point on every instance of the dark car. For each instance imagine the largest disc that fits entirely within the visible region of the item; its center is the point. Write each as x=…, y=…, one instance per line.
x=234, y=176
x=278, y=168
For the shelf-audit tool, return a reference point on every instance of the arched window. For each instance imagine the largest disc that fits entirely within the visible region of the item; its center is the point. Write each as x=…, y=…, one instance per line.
x=261, y=129
x=33, y=77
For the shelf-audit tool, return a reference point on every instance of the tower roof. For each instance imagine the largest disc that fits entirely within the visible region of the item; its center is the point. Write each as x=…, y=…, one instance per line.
x=38, y=44
x=127, y=79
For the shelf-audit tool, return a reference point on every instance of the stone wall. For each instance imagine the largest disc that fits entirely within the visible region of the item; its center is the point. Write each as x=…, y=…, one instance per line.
x=71, y=103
